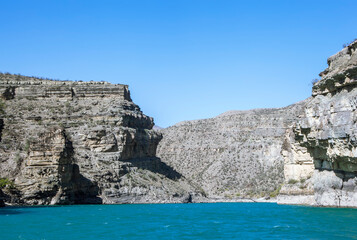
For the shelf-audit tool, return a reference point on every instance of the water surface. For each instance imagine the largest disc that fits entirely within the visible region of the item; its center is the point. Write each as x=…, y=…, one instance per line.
x=178, y=221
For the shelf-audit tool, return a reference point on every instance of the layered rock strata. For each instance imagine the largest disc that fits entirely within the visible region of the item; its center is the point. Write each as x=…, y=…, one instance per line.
x=64, y=142
x=67, y=142
x=305, y=152
x=235, y=155
x=328, y=132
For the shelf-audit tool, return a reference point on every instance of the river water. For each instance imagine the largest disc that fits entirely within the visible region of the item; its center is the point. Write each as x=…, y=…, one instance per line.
x=178, y=221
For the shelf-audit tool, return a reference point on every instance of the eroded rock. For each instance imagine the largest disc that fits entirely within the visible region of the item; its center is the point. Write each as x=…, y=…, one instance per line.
x=65, y=142
x=235, y=155
x=327, y=132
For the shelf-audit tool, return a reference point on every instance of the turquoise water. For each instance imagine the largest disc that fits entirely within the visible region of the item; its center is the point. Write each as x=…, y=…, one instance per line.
x=178, y=221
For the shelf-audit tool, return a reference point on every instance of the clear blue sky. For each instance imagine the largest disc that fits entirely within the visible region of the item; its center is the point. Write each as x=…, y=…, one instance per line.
x=183, y=59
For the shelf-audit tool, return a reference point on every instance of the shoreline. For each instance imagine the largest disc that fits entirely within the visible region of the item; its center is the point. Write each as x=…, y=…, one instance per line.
x=209, y=201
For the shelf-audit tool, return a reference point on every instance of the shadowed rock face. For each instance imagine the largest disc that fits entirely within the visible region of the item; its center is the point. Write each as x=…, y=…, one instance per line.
x=64, y=142
x=2, y=204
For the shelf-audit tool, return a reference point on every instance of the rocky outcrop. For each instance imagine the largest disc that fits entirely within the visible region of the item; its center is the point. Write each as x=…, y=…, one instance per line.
x=235, y=155
x=64, y=142
x=326, y=135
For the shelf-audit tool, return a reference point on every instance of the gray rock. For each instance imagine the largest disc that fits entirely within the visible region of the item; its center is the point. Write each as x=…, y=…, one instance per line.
x=66, y=142
x=327, y=131
x=235, y=155
x=308, y=149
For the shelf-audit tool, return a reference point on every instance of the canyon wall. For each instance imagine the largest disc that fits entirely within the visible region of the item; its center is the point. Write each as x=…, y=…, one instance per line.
x=327, y=133
x=232, y=156
x=64, y=142
x=305, y=153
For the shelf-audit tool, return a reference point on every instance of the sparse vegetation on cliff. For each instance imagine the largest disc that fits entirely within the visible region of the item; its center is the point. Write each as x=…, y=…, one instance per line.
x=5, y=182
x=276, y=192
x=2, y=107
x=313, y=81
x=21, y=77
x=347, y=44
x=292, y=181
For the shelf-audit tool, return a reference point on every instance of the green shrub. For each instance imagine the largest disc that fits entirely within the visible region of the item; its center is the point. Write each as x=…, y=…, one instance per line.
x=292, y=181
x=27, y=146
x=275, y=192
x=4, y=182
x=2, y=107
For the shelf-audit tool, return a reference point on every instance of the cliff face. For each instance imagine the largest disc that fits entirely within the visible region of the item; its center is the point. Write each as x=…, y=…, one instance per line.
x=327, y=133
x=235, y=155
x=306, y=152
x=65, y=142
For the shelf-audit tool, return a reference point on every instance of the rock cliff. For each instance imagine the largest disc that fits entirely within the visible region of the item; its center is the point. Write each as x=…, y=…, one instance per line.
x=327, y=133
x=306, y=153
x=64, y=142
x=235, y=155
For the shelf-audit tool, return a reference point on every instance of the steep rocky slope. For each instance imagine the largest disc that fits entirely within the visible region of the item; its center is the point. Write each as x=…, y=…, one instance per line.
x=237, y=154
x=65, y=142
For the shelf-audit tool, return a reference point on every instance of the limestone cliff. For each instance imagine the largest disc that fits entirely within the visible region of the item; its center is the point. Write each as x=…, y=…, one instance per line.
x=65, y=142
x=306, y=152
x=235, y=155
x=328, y=131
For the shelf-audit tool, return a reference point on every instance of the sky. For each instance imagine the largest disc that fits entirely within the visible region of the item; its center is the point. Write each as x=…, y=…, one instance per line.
x=182, y=59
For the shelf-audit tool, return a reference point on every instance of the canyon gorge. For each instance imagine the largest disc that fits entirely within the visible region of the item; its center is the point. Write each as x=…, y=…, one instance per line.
x=74, y=142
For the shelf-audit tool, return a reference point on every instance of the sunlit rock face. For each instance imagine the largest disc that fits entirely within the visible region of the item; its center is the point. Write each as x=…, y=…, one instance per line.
x=306, y=152
x=65, y=142
x=326, y=135
x=235, y=155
